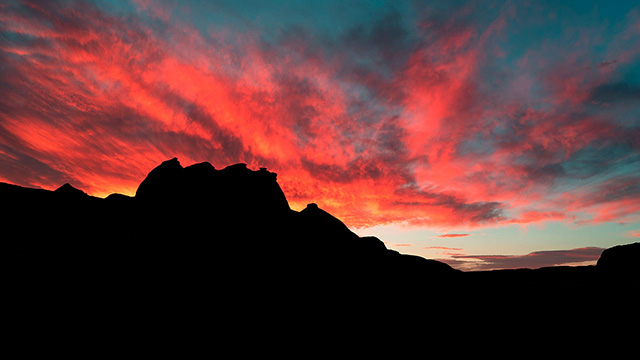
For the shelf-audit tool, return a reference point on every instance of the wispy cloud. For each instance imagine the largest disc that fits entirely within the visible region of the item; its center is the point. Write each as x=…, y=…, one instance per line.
x=442, y=248
x=604, y=64
x=452, y=235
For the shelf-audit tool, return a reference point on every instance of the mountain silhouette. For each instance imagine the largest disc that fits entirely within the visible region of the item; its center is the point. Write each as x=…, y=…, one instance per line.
x=69, y=191
x=197, y=242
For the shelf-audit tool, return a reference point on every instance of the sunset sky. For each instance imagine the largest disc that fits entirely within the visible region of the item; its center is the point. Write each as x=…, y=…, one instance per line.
x=487, y=134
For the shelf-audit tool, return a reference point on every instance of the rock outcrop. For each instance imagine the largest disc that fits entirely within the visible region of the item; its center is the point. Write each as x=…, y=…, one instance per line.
x=620, y=259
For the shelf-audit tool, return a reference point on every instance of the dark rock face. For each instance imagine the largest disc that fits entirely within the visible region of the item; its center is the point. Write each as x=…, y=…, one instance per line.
x=161, y=182
x=232, y=189
x=621, y=259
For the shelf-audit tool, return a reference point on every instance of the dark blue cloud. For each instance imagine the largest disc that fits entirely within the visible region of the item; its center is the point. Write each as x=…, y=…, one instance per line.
x=616, y=92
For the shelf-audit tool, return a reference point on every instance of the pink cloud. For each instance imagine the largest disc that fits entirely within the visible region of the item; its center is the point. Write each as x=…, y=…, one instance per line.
x=442, y=248
x=452, y=235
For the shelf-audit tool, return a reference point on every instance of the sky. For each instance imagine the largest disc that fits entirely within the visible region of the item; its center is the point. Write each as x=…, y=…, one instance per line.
x=486, y=134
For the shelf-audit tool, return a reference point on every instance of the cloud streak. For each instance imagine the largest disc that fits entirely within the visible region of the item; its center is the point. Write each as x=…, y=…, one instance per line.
x=401, y=114
x=442, y=248
x=533, y=260
x=453, y=235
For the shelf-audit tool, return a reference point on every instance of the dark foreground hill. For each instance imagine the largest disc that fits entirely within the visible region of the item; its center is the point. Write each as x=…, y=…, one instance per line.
x=234, y=220
x=201, y=245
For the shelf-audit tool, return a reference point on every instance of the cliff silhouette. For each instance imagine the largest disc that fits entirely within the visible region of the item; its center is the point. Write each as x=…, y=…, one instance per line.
x=198, y=241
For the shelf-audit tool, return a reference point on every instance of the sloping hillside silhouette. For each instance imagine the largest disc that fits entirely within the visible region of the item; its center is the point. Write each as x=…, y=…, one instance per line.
x=201, y=221
x=196, y=236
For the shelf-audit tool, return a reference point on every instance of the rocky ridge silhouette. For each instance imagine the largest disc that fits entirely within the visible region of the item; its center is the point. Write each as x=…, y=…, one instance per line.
x=196, y=237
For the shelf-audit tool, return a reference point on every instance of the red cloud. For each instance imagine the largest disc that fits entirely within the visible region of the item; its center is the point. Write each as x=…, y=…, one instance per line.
x=98, y=100
x=452, y=235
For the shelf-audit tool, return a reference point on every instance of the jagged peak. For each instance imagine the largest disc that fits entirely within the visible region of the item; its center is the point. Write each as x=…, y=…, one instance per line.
x=171, y=163
x=236, y=185
x=328, y=222
x=68, y=189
